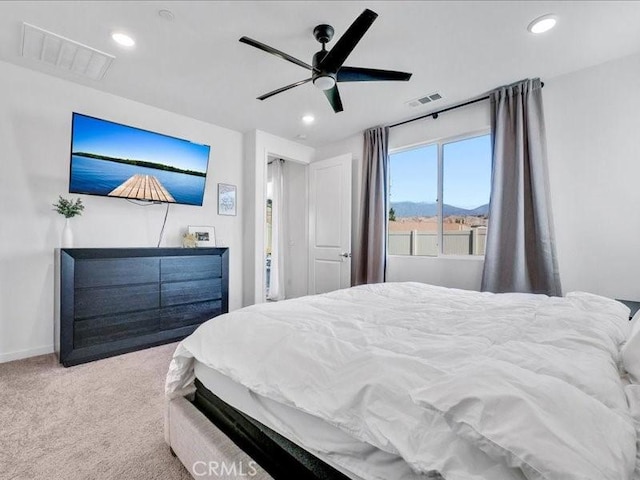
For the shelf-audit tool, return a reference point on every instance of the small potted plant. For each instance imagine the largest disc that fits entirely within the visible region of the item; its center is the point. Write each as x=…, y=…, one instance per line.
x=68, y=209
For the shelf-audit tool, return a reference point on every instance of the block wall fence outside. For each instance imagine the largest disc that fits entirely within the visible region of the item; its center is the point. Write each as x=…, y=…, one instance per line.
x=465, y=242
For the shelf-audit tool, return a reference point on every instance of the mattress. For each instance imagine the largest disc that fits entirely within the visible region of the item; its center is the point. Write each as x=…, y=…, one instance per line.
x=356, y=459
x=466, y=384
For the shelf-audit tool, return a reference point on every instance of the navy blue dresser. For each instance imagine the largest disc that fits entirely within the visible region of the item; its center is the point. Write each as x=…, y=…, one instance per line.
x=116, y=300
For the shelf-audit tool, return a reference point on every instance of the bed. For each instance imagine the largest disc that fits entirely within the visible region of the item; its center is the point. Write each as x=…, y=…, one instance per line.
x=411, y=381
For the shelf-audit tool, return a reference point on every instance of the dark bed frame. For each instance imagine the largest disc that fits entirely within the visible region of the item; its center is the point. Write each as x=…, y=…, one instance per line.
x=280, y=457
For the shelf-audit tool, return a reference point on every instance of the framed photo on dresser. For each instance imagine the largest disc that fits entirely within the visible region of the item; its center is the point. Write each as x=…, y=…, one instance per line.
x=205, y=235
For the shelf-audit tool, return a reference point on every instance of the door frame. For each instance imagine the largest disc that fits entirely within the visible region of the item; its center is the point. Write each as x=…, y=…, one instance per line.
x=270, y=157
x=268, y=146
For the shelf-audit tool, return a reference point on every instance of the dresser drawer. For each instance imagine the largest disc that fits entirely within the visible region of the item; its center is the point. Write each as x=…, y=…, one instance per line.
x=97, y=301
x=111, y=328
x=190, y=314
x=195, y=267
x=116, y=271
x=176, y=293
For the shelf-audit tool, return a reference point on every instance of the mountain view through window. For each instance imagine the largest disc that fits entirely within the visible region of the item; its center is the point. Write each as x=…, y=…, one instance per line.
x=463, y=182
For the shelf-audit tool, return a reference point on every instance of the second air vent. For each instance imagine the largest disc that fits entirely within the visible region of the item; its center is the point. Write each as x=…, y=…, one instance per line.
x=432, y=97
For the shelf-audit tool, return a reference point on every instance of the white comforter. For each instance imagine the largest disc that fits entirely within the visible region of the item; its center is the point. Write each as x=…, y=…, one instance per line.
x=470, y=385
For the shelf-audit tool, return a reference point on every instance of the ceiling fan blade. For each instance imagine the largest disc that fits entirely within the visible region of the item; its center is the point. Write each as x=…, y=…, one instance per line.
x=347, y=42
x=280, y=90
x=357, y=74
x=333, y=95
x=273, y=51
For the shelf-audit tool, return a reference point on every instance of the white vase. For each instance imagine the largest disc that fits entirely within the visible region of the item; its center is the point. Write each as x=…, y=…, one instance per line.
x=67, y=234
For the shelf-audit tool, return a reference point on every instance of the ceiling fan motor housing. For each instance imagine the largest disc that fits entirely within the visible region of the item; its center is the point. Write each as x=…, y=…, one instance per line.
x=323, y=33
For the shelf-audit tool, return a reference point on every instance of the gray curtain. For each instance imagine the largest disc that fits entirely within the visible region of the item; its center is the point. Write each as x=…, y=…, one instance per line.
x=520, y=253
x=371, y=251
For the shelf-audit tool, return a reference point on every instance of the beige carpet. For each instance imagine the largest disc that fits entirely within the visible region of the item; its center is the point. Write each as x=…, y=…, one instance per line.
x=100, y=420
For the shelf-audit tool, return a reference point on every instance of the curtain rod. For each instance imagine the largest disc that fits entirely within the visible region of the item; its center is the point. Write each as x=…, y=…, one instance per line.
x=435, y=114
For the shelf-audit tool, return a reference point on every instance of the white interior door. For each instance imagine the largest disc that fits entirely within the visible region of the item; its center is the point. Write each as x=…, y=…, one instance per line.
x=330, y=224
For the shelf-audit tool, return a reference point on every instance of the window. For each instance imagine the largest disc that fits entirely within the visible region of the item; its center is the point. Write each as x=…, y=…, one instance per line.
x=439, y=198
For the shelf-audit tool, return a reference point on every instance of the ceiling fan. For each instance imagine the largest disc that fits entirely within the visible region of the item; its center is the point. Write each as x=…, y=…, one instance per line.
x=327, y=68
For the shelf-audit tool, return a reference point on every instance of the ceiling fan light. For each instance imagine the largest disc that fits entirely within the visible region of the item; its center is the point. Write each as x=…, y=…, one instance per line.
x=324, y=82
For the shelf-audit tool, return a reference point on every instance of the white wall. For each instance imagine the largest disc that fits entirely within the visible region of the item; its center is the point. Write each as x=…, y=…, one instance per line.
x=35, y=132
x=248, y=199
x=297, y=230
x=593, y=120
x=259, y=146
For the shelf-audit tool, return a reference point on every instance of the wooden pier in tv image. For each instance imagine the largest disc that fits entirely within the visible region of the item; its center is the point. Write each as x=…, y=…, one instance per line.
x=143, y=187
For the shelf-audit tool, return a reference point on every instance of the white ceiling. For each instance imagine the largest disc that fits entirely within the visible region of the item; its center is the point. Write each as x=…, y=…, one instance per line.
x=195, y=65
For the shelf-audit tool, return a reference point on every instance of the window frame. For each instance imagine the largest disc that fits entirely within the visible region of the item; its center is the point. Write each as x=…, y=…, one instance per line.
x=440, y=143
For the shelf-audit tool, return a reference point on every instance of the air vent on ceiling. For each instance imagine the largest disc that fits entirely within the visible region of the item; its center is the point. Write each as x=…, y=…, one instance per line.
x=65, y=54
x=432, y=97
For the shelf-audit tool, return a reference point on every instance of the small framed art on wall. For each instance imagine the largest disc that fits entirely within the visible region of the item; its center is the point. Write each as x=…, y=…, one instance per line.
x=227, y=195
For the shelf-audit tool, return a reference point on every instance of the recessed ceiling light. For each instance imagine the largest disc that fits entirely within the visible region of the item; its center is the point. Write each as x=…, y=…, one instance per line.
x=123, y=39
x=542, y=24
x=308, y=119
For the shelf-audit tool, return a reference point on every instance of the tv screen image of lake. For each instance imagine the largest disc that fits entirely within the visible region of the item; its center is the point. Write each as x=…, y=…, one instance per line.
x=102, y=177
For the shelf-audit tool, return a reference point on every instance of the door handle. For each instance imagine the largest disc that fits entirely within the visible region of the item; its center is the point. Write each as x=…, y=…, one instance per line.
x=345, y=255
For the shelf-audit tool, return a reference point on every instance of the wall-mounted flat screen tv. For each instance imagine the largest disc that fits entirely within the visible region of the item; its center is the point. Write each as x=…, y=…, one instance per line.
x=116, y=160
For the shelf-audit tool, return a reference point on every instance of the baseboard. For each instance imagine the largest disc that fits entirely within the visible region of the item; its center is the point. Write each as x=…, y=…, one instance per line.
x=20, y=354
